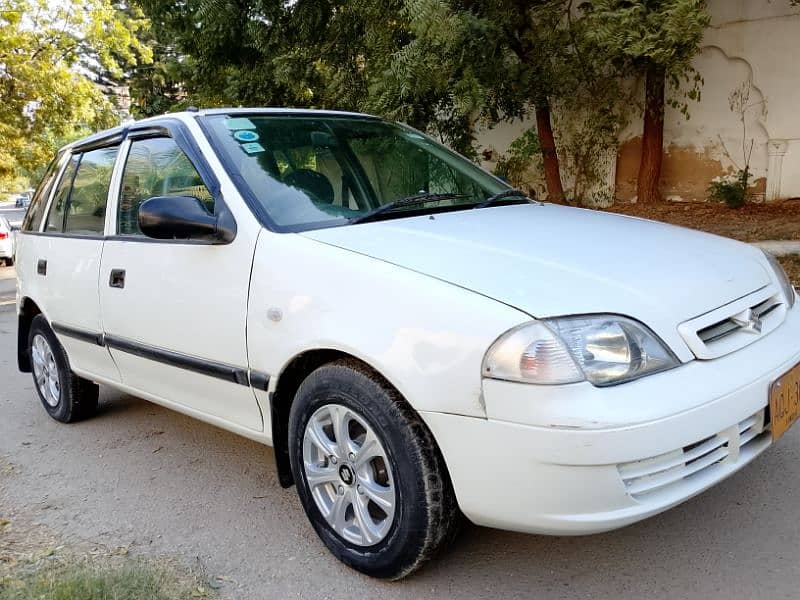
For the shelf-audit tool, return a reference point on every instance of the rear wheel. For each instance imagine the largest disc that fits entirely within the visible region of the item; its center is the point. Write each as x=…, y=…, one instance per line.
x=65, y=396
x=369, y=474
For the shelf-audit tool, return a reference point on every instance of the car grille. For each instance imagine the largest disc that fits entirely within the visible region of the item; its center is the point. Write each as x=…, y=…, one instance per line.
x=734, y=325
x=661, y=473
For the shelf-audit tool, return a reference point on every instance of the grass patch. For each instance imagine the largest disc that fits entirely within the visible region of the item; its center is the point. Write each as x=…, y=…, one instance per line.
x=129, y=582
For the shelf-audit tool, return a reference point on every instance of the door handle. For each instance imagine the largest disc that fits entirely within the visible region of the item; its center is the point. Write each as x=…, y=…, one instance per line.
x=117, y=278
x=41, y=267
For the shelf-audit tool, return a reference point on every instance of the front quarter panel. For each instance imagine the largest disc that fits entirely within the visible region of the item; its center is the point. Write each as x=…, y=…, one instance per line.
x=425, y=336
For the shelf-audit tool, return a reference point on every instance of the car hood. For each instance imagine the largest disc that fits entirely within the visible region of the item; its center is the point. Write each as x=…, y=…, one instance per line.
x=550, y=260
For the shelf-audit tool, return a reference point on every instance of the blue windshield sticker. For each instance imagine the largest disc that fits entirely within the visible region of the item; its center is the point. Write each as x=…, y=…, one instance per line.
x=239, y=123
x=253, y=147
x=245, y=135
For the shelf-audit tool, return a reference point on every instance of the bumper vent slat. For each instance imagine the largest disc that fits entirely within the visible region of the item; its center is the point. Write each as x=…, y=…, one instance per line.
x=659, y=473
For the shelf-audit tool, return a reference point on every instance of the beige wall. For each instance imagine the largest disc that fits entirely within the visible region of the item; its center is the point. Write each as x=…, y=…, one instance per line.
x=755, y=41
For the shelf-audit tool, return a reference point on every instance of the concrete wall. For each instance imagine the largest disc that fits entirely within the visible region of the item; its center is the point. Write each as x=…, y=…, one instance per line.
x=752, y=43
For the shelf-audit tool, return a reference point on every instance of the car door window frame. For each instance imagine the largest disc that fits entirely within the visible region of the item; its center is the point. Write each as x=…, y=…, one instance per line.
x=178, y=132
x=114, y=137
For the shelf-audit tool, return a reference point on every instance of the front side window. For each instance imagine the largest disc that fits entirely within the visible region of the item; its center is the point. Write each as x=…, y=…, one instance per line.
x=55, y=219
x=33, y=218
x=86, y=214
x=156, y=167
x=309, y=172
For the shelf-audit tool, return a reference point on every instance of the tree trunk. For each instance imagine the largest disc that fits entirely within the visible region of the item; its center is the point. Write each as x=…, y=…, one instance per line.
x=653, y=137
x=547, y=143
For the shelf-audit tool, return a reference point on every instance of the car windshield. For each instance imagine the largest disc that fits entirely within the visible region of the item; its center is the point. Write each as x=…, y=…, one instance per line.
x=308, y=172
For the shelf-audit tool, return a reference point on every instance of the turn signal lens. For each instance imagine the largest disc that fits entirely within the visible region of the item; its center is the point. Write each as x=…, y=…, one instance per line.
x=531, y=353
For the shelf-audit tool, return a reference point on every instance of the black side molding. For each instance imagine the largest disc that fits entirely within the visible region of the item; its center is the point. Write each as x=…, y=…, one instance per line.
x=209, y=368
x=182, y=361
x=79, y=334
x=259, y=381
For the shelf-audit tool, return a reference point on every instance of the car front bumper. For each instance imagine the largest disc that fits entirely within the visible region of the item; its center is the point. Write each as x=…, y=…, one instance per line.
x=555, y=474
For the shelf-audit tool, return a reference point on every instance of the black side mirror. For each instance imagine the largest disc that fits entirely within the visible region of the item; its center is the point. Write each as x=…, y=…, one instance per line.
x=184, y=218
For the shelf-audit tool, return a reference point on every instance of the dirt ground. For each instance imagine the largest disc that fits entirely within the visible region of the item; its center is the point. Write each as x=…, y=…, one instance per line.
x=752, y=222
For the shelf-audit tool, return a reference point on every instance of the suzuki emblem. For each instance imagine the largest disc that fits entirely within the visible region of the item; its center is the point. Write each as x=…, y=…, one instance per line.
x=748, y=320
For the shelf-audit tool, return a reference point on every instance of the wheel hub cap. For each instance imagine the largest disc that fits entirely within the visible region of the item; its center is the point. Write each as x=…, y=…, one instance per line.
x=349, y=475
x=346, y=474
x=45, y=370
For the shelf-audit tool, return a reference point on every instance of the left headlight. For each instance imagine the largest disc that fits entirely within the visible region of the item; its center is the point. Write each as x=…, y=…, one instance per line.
x=602, y=349
x=783, y=279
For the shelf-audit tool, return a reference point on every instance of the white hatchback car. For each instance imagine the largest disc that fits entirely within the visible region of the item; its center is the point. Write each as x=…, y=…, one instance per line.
x=415, y=339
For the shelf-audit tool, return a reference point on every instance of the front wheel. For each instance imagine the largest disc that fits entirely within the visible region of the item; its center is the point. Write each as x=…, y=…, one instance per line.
x=369, y=474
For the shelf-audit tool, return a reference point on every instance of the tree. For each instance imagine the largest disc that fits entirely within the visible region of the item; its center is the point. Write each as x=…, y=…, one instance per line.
x=483, y=61
x=49, y=53
x=658, y=39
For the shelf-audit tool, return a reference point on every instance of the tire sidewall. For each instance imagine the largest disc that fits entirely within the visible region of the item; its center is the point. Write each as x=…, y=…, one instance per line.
x=61, y=411
x=400, y=547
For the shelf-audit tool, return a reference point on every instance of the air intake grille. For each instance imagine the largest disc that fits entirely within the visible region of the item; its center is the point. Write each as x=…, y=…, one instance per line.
x=734, y=325
x=659, y=473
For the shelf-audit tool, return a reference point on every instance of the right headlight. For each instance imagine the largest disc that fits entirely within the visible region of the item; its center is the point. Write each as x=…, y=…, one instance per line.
x=783, y=279
x=602, y=349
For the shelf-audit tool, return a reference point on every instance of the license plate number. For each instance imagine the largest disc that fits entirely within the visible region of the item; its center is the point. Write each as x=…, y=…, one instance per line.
x=784, y=401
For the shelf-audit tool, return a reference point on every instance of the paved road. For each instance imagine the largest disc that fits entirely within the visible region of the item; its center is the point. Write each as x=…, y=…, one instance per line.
x=14, y=215
x=141, y=476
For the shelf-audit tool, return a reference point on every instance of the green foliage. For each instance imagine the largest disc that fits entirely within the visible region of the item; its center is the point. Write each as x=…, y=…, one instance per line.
x=730, y=189
x=666, y=34
x=50, y=52
x=517, y=162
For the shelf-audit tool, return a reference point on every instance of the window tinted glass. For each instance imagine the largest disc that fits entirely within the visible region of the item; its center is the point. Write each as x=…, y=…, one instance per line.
x=156, y=167
x=322, y=171
x=87, y=202
x=33, y=218
x=55, y=219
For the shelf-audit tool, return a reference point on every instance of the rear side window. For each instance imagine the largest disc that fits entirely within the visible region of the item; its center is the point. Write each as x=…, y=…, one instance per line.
x=33, y=218
x=156, y=167
x=86, y=213
x=55, y=219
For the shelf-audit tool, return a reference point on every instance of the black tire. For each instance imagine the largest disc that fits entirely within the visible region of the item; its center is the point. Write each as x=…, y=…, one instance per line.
x=426, y=516
x=77, y=399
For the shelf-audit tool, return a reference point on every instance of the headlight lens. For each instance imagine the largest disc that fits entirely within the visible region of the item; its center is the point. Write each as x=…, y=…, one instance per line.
x=601, y=349
x=783, y=279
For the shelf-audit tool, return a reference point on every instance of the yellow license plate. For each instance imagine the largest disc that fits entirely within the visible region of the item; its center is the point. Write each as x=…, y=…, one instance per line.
x=784, y=401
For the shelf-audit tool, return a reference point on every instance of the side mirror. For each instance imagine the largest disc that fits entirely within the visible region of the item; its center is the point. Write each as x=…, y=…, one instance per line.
x=184, y=218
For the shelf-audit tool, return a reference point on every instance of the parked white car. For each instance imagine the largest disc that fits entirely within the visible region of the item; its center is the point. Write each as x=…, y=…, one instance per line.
x=416, y=340
x=6, y=242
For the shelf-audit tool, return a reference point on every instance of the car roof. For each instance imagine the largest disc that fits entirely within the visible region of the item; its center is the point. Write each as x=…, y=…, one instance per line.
x=191, y=114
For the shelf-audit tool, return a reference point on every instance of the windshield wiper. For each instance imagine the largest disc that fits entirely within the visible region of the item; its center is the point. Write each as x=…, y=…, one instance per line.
x=407, y=201
x=492, y=200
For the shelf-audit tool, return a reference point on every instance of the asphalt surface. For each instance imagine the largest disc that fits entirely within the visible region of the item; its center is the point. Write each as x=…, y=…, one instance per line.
x=154, y=481
x=14, y=215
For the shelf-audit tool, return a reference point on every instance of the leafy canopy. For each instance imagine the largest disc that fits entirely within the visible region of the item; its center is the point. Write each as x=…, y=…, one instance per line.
x=49, y=53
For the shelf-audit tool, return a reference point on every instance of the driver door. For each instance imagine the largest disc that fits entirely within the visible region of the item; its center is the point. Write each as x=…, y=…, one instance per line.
x=174, y=311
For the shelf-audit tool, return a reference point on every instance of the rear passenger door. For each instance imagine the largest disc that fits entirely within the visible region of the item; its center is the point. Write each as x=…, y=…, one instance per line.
x=66, y=256
x=175, y=311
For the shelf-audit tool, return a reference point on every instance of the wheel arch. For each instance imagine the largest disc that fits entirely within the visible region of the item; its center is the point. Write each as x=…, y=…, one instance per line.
x=283, y=395
x=28, y=309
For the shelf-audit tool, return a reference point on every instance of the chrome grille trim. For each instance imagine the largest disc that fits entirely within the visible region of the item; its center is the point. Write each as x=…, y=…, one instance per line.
x=661, y=473
x=734, y=325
